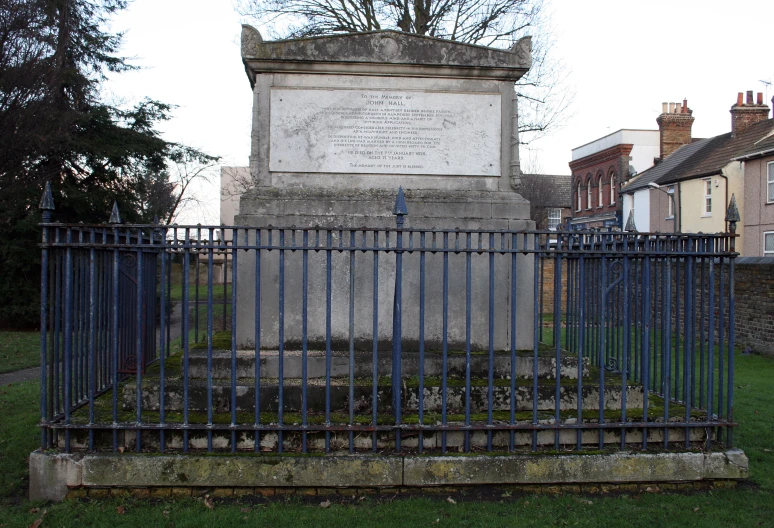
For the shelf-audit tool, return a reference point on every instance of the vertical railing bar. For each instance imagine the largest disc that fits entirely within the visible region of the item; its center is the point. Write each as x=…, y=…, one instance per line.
x=138, y=340
x=445, y=340
x=721, y=338
x=514, y=270
x=557, y=344
x=646, y=325
x=351, y=339
x=210, y=323
x=490, y=382
x=421, y=398
x=689, y=292
x=68, y=329
x=702, y=315
x=603, y=334
x=281, y=343
x=581, y=346
x=328, y=291
x=627, y=331
x=538, y=318
x=667, y=345
x=44, y=330
x=58, y=343
x=92, y=363
x=162, y=331
x=304, y=340
x=234, y=274
x=468, y=308
x=397, y=332
x=186, y=330
x=257, y=339
x=224, y=251
x=731, y=337
x=375, y=352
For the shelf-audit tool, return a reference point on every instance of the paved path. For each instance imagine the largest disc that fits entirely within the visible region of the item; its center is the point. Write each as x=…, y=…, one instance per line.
x=20, y=376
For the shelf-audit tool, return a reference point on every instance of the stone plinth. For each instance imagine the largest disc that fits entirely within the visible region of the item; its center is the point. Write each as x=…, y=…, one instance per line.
x=339, y=124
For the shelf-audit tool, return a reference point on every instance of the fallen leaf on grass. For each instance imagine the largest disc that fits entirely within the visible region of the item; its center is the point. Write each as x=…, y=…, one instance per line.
x=450, y=500
x=165, y=513
x=34, y=510
x=325, y=504
x=696, y=509
x=245, y=510
x=120, y=510
x=208, y=502
x=654, y=489
x=37, y=523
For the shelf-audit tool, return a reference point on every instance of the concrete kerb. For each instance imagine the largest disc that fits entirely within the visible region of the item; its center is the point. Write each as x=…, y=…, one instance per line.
x=52, y=476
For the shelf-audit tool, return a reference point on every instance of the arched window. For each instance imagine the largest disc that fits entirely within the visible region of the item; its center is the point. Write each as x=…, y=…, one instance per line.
x=612, y=188
x=600, y=186
x=578, y=194
x=588, y=193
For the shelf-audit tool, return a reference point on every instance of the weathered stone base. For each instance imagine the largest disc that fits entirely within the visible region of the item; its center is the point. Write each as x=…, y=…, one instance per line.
x=57, y=476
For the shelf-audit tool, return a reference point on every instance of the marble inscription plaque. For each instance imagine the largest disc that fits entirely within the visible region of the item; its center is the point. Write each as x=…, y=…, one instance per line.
x=385, y=132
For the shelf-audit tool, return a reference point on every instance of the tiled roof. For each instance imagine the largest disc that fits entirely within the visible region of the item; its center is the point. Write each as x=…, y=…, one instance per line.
x=671, y=162
x=717, y=152
x=562, y=188
x=763, y=145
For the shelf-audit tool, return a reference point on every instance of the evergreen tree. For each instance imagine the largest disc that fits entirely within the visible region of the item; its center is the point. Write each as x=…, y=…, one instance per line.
x=54, y=55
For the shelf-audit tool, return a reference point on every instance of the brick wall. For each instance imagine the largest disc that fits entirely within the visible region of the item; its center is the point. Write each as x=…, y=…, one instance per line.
x=754, y=308
x=547, y=286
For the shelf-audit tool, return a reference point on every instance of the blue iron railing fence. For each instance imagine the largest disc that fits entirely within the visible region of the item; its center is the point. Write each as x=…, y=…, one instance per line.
x=637, y=349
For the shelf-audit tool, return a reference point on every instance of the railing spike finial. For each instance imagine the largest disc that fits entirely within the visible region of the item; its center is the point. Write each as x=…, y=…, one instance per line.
x=630, y=226
x=400, y=209
x=47, y=200
x=732, y=214
x=115, y=217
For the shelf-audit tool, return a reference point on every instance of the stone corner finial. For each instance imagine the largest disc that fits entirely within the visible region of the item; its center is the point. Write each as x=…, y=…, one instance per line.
x=515, y=178
x=251, y=38
x=523, y=50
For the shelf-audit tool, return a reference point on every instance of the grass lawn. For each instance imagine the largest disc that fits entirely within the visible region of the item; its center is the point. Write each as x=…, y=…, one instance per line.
x=19, y=350
x=751, y=504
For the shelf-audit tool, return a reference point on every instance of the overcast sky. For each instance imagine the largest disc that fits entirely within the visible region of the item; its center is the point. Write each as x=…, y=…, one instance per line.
x=625, y=58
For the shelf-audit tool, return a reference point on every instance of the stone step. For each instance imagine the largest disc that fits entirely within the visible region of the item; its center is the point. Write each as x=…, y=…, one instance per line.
x=363, y=441
x=363, y=393
x=433, y=364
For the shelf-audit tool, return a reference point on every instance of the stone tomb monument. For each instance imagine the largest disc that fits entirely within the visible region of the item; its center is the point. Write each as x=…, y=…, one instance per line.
x=339, y=124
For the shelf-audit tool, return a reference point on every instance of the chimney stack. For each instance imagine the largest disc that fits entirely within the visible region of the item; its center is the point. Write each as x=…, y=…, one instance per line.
x=674, y=126
x=744, y=115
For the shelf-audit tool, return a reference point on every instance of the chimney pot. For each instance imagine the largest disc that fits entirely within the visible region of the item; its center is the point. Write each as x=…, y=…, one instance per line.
x=740, y=99
x=664, y=107
x=760, y=98
x=749, y=97
x=671, y=108
x=685, y=106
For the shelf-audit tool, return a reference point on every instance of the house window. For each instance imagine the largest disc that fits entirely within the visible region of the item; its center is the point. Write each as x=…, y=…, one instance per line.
x=588, y=194
x=770, y=181
x=554, y=218
x=612, y=188
x=768, y=244
x=600, y=200
x=671, y=202
x=708, y=197
x=579, y=197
